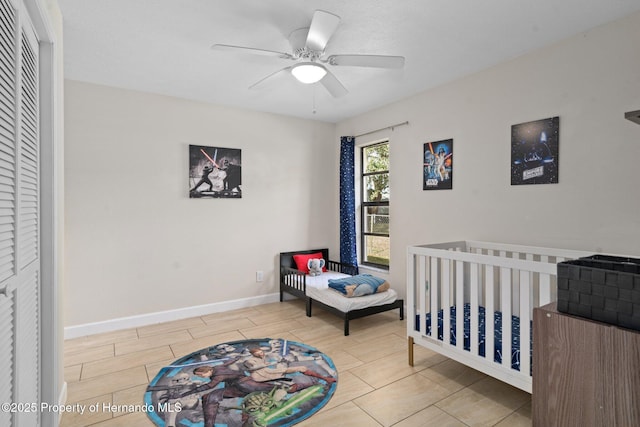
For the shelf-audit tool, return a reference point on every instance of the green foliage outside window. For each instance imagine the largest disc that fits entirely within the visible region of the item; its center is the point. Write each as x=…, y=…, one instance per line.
x=377, y=160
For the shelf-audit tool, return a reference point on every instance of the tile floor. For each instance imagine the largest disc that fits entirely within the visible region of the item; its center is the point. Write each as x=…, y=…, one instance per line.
x=376, y=385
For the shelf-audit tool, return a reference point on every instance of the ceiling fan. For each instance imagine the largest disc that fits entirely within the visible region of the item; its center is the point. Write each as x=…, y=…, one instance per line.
x=307, y=50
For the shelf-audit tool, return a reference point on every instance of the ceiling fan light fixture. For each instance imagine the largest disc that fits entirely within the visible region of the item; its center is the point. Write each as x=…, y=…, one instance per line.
x=308, y=72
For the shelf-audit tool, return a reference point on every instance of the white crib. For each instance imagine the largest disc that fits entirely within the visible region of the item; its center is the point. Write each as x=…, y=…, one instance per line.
x=482, y=278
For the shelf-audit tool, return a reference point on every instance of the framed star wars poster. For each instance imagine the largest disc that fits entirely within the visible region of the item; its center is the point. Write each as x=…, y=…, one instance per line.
x=438, y=165
x=215, y=172
x=534, y=152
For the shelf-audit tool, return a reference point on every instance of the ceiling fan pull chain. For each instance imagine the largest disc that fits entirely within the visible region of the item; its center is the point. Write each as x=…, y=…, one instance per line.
x=314, y=99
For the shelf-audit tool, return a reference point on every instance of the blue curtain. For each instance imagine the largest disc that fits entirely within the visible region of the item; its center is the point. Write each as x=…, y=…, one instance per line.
x=348, y=252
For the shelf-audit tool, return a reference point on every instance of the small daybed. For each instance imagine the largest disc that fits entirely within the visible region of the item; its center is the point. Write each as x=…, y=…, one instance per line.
x=315, y=289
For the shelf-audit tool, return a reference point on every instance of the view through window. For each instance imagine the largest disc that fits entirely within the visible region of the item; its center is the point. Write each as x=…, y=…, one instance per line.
x=374, y=216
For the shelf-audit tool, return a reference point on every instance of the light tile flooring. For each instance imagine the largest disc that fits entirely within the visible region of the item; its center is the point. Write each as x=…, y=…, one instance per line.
x=376, y=386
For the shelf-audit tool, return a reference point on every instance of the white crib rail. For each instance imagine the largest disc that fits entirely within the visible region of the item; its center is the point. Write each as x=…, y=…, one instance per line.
x=512, y=279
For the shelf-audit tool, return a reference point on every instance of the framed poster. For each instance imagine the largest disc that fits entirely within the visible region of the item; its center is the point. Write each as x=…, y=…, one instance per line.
x=438, y=165
x=215, y=172
x=534, y=152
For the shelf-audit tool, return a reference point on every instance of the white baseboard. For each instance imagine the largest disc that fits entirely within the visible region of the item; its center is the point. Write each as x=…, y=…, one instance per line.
x=165, y=316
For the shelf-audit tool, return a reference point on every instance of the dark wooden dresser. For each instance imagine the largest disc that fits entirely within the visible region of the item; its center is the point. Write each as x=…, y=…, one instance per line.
x=585, y=373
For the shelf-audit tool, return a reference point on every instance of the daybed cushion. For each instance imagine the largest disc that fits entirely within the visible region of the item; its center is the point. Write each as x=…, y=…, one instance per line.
x=359, y=285
x=318, y=289
x=302, y=259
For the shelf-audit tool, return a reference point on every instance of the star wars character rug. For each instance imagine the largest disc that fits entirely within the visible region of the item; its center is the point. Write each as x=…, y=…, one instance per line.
x=257, y=382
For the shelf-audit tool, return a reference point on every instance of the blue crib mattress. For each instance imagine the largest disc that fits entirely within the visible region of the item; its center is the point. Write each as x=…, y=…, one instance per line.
x=497, y=325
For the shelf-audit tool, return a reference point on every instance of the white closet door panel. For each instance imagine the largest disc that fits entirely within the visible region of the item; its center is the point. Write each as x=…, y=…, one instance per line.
x=27, y=354
x=28, y=153
x=7, y=330
x=20, y=334
x=28, y=343
x=8, y=114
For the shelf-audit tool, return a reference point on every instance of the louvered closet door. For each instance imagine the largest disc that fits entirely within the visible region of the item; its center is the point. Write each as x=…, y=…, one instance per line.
x=19, y=216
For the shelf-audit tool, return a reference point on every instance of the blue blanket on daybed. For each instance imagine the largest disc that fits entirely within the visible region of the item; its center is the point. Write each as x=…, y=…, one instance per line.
x=497, y=324
x=358, y=285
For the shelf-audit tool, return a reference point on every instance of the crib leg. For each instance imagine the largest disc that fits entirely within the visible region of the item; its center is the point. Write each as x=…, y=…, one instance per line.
x=308, y=307
x=410, y=343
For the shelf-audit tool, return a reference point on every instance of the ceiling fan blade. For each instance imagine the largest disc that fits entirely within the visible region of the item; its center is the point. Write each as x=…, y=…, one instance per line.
x=251, y=50
x=333, y=85
x=322, y=27
x=376, y=61
x=260, y=83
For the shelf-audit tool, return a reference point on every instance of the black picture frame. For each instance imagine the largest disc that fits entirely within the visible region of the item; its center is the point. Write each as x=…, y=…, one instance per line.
x=534, y=152
x=215, y=172
x=437, y=171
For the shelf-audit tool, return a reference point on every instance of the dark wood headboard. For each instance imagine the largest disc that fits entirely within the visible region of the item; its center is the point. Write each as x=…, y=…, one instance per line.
x=286, y=258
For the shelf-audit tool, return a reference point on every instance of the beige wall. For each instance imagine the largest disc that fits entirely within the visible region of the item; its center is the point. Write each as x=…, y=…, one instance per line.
x=135, y=242
x=590, y=81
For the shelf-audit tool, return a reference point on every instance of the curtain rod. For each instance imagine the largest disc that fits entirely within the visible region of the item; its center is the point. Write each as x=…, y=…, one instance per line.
x=385, y=128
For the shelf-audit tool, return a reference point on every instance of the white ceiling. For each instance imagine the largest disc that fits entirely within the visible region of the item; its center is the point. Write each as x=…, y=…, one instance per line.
x=163, y=46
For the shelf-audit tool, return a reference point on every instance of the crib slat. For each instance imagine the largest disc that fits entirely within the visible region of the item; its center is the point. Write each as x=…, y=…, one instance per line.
x=459, y=286
x=532, y=276
x=474, y=329
x=413, y=296
x=505, y=306
x=545, y=289
x=421, y=282
x=433, y=296
x=525, y=326
x=445, y=265
x=446, y=292
x=489, y=342
x=460, y=304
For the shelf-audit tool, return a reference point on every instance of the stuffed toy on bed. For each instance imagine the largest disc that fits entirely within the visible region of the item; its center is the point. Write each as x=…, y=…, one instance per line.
x=315, y=266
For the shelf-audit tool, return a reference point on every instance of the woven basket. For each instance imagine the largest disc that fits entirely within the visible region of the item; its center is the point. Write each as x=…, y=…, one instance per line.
x=603, y=288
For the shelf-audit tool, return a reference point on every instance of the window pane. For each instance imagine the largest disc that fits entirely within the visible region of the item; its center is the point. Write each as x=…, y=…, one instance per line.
x=376, y=187
x=376, y=158
x=374, y=213
x=376, y=219
x=376, y=250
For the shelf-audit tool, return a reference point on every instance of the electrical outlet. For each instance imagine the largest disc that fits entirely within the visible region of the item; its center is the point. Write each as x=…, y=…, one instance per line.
x=259, y=276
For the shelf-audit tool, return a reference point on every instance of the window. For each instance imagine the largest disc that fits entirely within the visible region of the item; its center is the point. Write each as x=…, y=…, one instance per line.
x=374, y=213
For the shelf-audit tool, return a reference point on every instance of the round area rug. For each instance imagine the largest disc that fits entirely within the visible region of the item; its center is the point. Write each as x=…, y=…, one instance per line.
x=257, y=382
